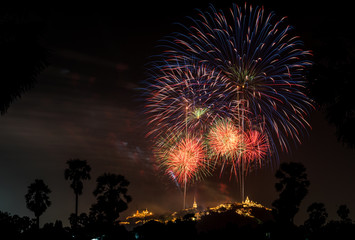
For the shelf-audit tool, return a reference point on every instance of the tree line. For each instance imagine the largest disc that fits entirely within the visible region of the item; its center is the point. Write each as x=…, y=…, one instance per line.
x=111, y=199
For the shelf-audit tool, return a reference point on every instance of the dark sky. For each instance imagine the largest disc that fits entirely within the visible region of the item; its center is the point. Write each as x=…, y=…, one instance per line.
x=86, y=105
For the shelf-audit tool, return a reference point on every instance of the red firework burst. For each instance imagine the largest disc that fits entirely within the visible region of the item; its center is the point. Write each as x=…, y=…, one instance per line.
x=257, y=146
x=185, y=159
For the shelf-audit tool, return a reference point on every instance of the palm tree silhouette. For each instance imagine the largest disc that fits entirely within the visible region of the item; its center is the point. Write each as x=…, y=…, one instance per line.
x=37, y=199
x=112, y=198
x=77, y=171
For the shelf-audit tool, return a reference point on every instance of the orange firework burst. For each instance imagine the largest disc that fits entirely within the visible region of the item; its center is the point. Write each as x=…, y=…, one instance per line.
x=183, y=158
x=233, y=146
x=186, y=159
x=226, y=140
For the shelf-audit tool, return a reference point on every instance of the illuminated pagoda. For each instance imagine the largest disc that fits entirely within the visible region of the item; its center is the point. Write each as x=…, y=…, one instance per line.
x=249, y=203
x=194, y=205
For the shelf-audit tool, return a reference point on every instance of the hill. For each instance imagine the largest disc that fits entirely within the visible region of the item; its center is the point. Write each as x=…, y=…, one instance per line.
x=247, y=213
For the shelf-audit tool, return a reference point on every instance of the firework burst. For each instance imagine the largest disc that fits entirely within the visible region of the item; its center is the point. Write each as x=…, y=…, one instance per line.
x=183, y=156
x=186, y=159
x=234, y=146
x=186, y=97
x=257, y=146
x=261, y=61
x=226, y=140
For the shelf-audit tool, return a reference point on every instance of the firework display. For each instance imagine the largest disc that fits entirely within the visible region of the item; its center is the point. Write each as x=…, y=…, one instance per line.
x=233, y=81
x=261, y=60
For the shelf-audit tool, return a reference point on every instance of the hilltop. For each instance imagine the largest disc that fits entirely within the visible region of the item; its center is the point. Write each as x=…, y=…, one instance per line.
x=241, y=214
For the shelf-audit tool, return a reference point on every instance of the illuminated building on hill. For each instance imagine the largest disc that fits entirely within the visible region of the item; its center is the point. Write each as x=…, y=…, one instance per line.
x=138, y=217
x=250, y=203
x=143, y=214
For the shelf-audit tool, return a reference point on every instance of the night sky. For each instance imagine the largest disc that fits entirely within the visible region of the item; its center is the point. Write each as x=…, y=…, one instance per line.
x=87, y=105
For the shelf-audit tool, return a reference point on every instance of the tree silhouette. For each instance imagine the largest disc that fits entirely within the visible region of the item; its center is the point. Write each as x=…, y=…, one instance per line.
x=77, y=171
x=37, y=199
x=14, y=225
x=112, y=198
x=317, y=218
x=343, y=212
x=343, y=229
x=293, y=187
x=22, y=56
x=332, y=78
